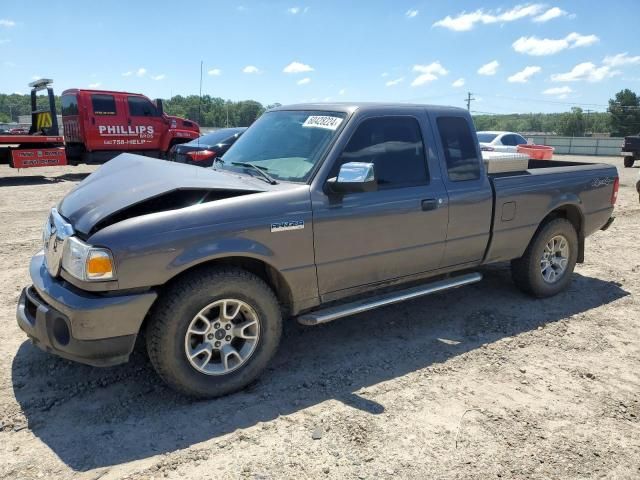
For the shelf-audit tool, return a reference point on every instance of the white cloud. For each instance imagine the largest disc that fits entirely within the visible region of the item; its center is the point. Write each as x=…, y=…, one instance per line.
x=297, y=10
x=304, y=81
x=524, y=75
x=550, y=14
x=4, y=22
x=412, y=13
x=621, y=59
x=342, y=91
x=489, y=68
x=251, y=69
x=548, y=46
x=141, y=72
x=585, y=71
x=4, y=40
x=158, y=77
x=466, y=21
x=458, y=83
x=94, y=85
x=297, y=67
x=214, y=72
x=127, y=74
x=428, y=73
x=384, y=74
x=392, y=83
x=557, y=91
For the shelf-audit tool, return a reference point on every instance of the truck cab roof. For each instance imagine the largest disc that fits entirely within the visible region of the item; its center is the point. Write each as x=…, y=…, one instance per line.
x=92, y=90
x=350, y=107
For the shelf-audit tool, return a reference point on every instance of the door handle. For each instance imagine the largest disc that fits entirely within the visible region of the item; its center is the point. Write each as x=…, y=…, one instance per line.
x=93, y=120
x=429, y=204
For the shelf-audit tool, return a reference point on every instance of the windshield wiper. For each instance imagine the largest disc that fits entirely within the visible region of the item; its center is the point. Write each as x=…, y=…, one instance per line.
x=260, y=170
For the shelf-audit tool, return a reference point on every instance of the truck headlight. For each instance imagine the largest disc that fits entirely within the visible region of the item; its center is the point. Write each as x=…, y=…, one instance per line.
x=86, y=262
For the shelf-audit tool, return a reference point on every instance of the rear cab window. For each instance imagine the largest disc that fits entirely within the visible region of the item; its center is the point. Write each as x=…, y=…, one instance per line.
x=69, y=105
x=103, y=104
x=459, y=148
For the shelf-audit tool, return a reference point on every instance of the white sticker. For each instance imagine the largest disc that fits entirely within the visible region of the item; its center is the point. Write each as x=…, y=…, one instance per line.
x=322, y=121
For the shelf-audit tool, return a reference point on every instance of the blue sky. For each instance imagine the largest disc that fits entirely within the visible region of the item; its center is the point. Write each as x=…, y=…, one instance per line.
x=513, y=56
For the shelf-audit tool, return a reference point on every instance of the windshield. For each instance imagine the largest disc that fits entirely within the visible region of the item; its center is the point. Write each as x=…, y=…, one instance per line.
x=486, y=137
x=286, y=144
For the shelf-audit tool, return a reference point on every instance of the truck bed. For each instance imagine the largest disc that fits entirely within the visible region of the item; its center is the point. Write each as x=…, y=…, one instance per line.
x=30, y=139
x=523, y=199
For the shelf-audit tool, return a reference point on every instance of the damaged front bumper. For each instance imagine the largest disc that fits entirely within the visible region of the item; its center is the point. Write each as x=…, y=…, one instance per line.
x=95, y=329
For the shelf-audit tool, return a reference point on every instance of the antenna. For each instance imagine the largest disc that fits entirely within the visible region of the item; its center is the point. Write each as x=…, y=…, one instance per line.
x=200, y=100
x=468, y=100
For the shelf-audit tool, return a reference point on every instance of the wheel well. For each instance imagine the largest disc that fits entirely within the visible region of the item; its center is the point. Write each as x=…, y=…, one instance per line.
x=568, y=212
x=266, y=272
x=573, y=214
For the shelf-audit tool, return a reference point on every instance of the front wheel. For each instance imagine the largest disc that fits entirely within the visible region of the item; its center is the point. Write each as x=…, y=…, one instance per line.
x=214, y=331
x=547, y=265
x=628, y=162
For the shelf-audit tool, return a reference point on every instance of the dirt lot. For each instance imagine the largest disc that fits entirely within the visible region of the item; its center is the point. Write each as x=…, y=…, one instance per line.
x=481, y=382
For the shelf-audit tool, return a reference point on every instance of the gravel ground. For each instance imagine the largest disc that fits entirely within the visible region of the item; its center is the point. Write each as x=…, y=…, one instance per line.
x=481, y=382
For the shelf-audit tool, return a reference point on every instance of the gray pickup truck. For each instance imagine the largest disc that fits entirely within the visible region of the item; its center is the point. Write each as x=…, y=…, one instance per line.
x=317, y=212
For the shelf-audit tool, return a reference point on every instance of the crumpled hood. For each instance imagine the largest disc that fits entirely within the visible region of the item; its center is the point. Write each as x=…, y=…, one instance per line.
x=130, y=179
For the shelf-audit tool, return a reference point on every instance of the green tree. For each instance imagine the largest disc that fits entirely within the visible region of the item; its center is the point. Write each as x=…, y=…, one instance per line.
x=625, y=113
x=572, y=124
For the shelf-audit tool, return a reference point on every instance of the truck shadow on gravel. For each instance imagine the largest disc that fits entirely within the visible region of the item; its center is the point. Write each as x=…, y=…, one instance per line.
x=96, y=418
x=30, y=180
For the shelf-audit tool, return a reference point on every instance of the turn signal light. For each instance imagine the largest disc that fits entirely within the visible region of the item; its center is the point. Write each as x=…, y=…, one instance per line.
x=614, y=194
x=99, y=265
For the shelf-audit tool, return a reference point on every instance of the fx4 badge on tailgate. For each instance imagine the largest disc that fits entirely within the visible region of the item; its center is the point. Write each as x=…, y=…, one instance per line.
x=284, y=226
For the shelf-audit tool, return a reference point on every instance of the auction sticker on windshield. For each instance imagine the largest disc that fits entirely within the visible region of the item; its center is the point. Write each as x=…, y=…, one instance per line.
x=322, y=121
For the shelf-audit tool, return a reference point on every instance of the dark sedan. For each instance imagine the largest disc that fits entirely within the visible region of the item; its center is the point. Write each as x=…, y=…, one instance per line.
x=205, y=149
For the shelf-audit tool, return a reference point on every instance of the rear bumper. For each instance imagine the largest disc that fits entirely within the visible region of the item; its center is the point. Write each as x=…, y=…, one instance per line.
x=88, y=328
x=626, y=154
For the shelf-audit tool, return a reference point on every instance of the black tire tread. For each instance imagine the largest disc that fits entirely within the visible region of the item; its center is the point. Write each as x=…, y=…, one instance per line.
x=169, y=302
x=521, y=272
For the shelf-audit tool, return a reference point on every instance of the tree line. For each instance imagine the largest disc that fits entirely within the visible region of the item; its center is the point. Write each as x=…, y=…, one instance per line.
x=621, y=118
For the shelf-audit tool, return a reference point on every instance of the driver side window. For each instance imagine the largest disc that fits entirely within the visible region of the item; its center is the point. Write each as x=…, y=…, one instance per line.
x=394, y=145
x=141, y=107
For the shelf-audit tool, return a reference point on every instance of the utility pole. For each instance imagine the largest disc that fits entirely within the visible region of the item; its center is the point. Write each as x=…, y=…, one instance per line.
x=588, y=121
x=468, y=100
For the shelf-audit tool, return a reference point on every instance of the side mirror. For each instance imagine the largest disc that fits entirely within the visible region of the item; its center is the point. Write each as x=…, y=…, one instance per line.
x=354, y=177
x=158, y=103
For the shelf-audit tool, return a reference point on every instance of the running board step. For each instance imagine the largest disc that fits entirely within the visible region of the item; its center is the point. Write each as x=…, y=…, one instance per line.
x=333, y=313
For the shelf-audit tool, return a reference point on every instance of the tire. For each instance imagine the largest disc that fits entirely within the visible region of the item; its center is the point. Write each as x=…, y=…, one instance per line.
x=527, y=271
x=170, y=332
x=628, y=162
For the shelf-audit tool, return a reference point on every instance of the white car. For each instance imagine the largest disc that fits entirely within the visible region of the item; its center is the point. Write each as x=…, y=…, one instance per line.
x=500, y=141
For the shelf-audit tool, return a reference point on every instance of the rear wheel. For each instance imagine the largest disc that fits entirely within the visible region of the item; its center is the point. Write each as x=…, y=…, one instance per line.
x=547, y=265
x=628, y=162
x=214, y=332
